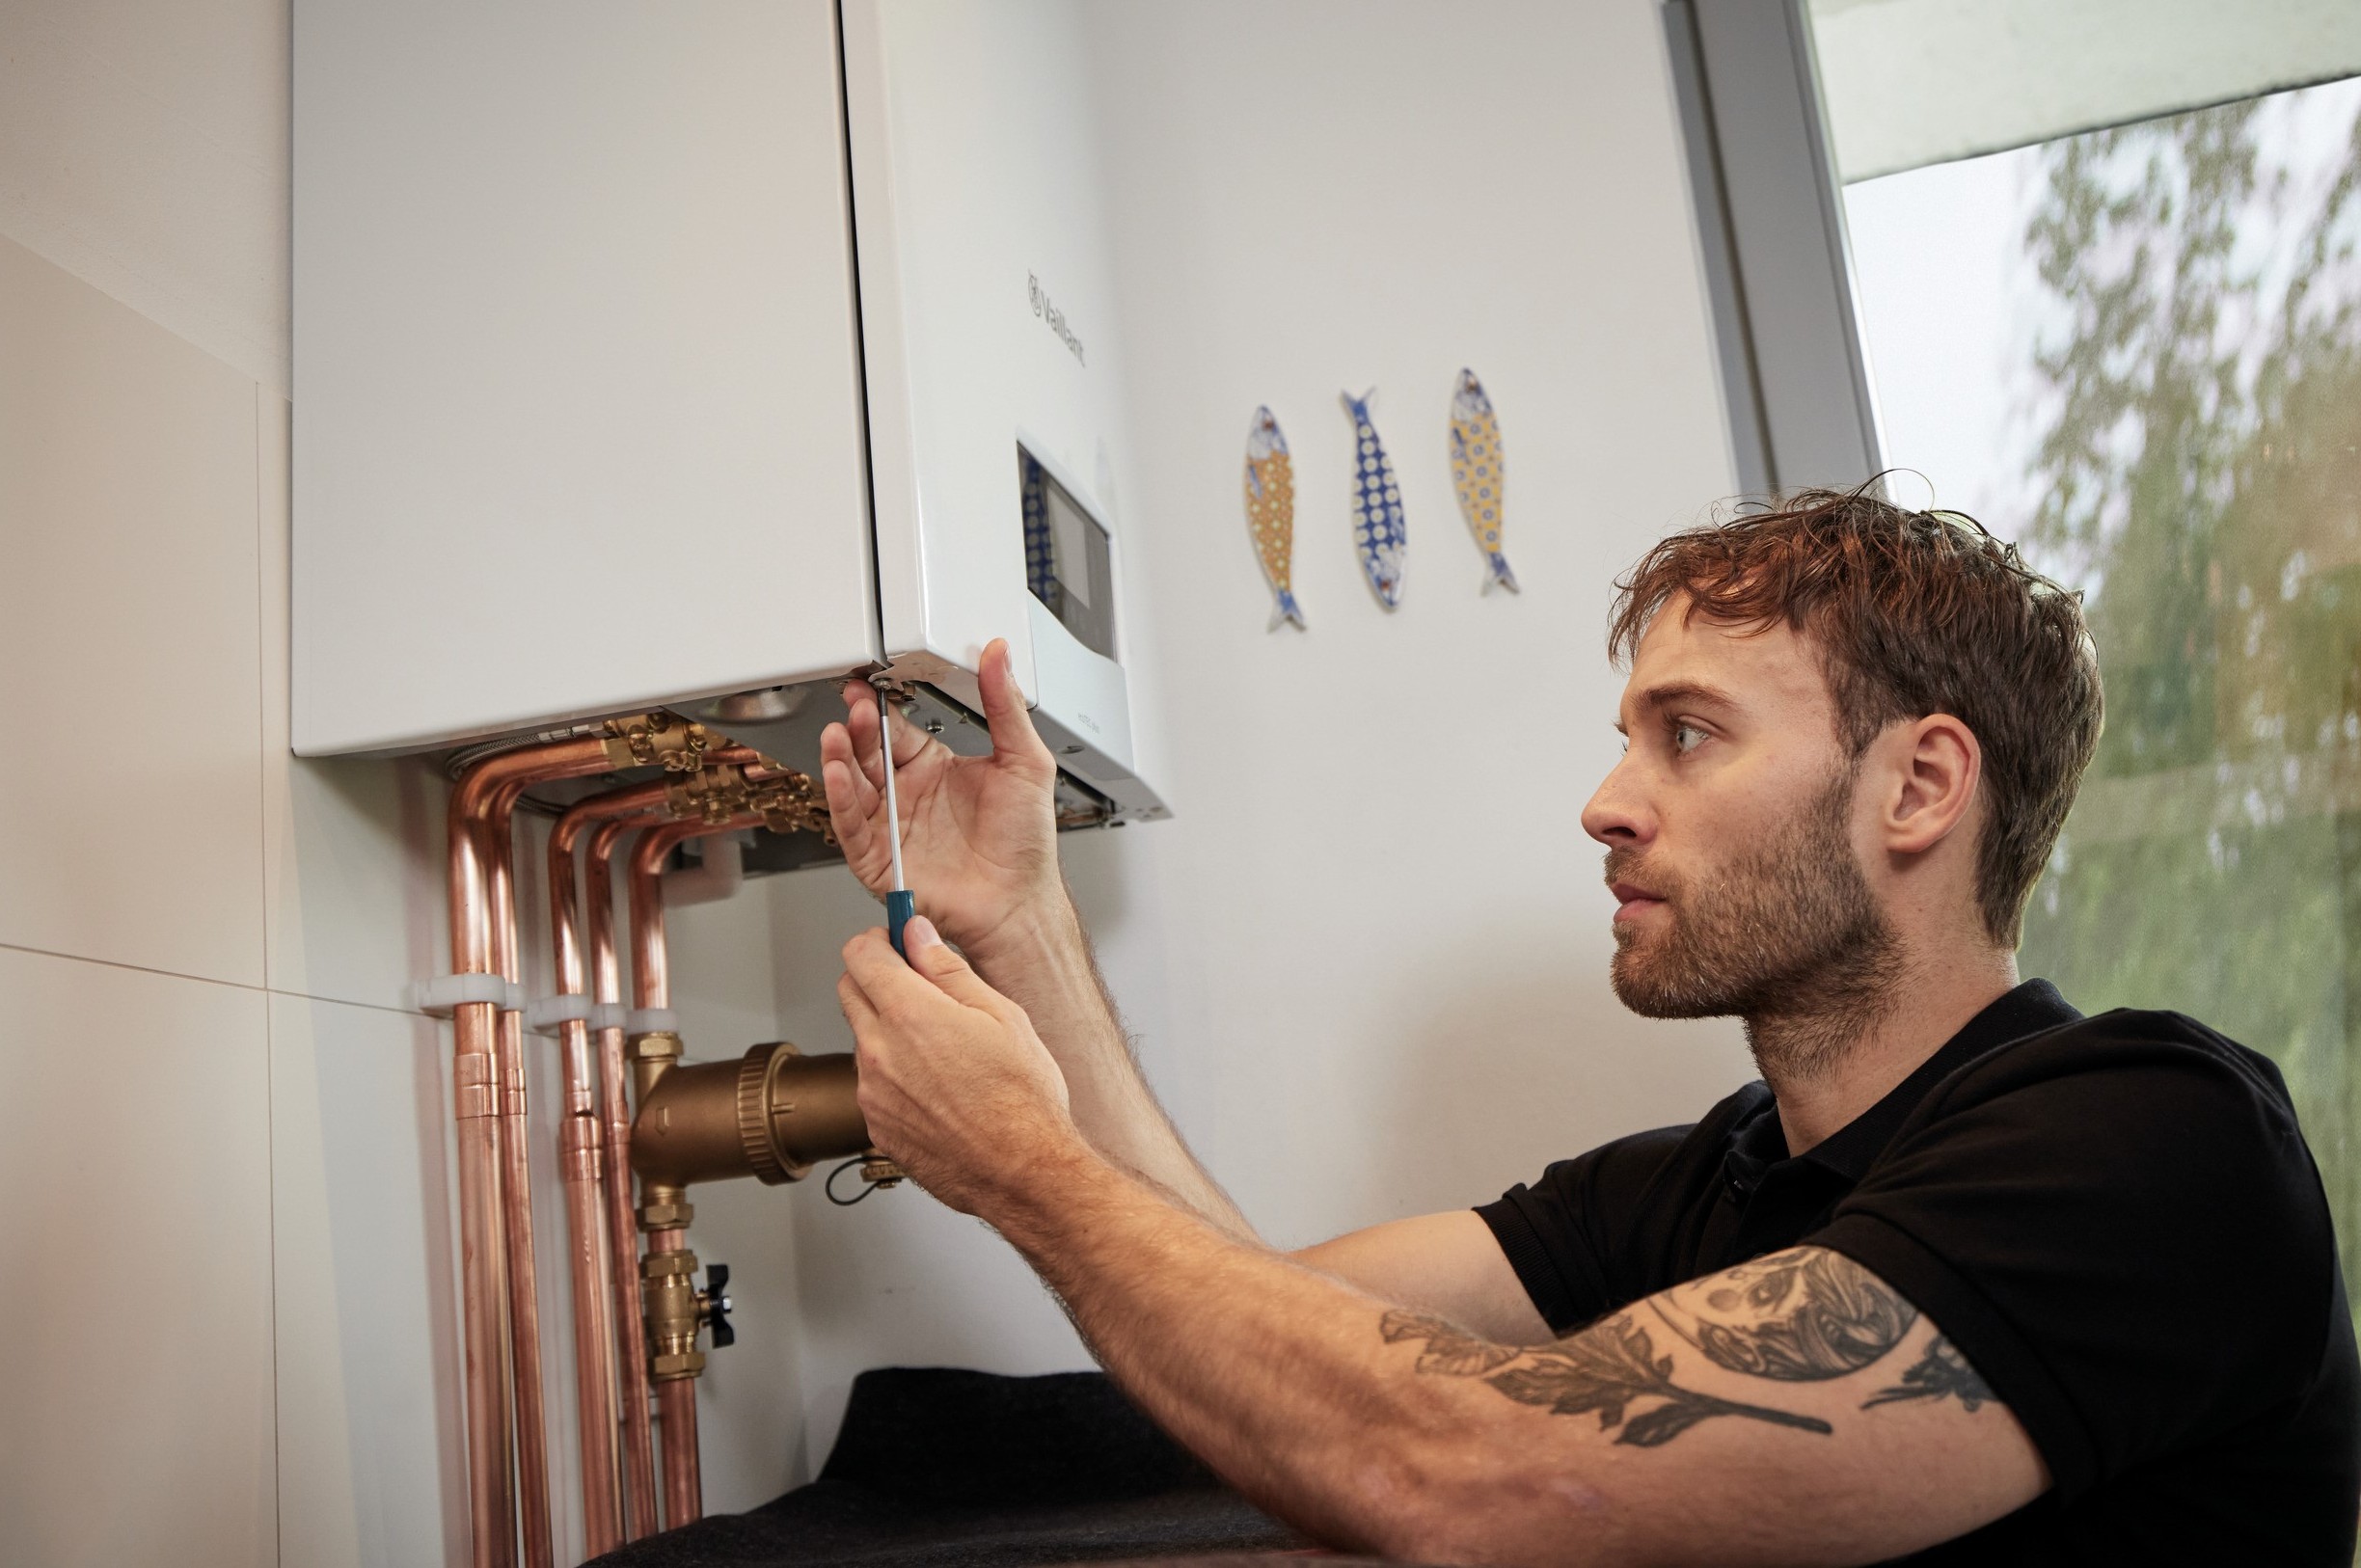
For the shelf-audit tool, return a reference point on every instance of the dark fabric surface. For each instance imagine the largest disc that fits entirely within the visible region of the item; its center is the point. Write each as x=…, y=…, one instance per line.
x=941, y=1468
x=2115, y=1220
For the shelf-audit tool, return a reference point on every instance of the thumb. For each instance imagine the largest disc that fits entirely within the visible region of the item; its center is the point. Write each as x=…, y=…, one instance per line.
x=932, y=957
x=1012, y=735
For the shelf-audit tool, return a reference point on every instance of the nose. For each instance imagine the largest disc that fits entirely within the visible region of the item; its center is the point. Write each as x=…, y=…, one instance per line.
x=1615, y=815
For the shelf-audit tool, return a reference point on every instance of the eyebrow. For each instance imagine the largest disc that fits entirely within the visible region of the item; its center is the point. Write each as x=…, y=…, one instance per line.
x=1674, y=692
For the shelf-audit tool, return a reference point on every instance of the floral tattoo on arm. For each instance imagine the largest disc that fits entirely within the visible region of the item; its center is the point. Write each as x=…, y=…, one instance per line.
x=1941, y=1373
x=1608, y=1368
x=1804, y=1315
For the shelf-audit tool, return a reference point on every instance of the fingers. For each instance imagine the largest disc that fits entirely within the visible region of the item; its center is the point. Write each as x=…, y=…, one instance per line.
x=861, y=712
x=852, y=805
x=891, y=986
x=855, y=1003
x=951, y=974
x=861, y=733
x=1012, y=735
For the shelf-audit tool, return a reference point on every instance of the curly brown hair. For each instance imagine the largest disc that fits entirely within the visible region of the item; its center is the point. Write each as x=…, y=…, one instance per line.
x=1912, y=614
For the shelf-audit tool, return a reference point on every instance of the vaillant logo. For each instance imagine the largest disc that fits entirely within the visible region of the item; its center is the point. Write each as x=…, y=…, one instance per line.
x=1042, y=308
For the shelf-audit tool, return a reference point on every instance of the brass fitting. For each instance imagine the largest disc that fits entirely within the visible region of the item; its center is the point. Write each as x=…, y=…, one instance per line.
x=652, y=1055
x=657, y=739
x=793, y=804
x=790, y=804
x=665, y=1208
x=712, y=795
x=675, y=1311
x=773, y=1114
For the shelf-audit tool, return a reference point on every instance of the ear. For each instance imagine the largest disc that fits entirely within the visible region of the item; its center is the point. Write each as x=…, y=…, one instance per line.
x=1934, y=764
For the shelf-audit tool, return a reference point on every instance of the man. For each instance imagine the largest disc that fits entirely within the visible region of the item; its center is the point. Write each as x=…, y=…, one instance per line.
x=1965, y=1267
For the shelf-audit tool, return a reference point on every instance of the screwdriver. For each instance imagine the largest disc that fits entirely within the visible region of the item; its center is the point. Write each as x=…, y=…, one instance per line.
x=900, y=904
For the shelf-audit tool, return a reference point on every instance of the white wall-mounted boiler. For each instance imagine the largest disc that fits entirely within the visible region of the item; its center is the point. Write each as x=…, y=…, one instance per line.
x=702, y=354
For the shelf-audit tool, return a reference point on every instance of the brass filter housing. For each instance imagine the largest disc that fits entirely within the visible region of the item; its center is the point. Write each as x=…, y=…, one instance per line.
x=773, y=1114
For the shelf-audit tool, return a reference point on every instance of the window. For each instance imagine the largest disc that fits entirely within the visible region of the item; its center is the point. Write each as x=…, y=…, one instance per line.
x=2091, y=271
x=2138, y=353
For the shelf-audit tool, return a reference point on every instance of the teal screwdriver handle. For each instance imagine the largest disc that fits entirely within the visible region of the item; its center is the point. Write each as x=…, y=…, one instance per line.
x=899, y=907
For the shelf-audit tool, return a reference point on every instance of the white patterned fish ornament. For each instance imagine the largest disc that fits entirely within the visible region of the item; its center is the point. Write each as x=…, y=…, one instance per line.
x=1270, y=511
x=1480, y=475
x=1377, y=502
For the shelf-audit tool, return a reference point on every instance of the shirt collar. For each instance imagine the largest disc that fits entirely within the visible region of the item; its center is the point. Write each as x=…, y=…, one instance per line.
x=2029, y=1008
x=1761, y=1142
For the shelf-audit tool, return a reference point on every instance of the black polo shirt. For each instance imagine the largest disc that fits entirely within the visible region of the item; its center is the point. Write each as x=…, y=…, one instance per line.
x=2116, y=1220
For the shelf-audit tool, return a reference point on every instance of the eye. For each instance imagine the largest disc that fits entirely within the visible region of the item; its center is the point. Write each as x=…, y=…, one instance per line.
x=1686, y=736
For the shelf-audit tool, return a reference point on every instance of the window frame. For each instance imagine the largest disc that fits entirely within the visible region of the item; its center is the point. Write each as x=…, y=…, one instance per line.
x=1779, y=274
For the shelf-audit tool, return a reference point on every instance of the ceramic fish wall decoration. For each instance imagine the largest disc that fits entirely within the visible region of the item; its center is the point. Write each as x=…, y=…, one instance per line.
x=1270, y=511
x=1480, y=475
x=1377, y=511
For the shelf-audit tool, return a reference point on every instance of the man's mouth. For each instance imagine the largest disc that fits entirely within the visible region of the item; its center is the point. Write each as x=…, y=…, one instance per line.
x=1632, y=901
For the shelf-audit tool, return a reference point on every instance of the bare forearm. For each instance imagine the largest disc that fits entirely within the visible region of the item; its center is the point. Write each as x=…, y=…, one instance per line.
x=1041, y=961
x=1267, y=1370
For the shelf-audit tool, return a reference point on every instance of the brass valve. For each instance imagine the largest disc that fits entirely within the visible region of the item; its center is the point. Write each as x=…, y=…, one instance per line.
x=789, y=803
x=657, y=739
x=773, y=1114
x=793, y=804
x=712, y=795
x=674, y=1310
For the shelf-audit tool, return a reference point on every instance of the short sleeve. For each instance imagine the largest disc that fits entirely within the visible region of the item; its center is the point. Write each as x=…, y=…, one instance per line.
x=2120, y=1226
x=1565, y=1234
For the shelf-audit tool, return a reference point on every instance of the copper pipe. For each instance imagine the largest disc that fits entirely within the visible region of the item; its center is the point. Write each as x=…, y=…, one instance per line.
x=622, y=1229
x=516, y=1199
x=483, y=1285
x=651, y=987
x=684, y=1490
x=625, y=1441
x=583, y=1168
x=476, y=881
x=651, y=979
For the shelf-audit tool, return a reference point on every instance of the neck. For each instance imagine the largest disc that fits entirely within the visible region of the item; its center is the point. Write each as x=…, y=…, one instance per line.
x=1830, y=1064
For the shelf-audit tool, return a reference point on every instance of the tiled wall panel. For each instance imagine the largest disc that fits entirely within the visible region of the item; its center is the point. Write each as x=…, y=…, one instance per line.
x=138, y=1424
x=130, y=813
x=370, y=1434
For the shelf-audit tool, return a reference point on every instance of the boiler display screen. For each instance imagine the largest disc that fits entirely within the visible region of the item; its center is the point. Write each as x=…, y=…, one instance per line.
x=1066, y=557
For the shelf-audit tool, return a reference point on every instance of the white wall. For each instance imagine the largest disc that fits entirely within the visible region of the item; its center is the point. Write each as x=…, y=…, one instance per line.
x=1366, y=958
x=1366, y=961
x=228, y=1158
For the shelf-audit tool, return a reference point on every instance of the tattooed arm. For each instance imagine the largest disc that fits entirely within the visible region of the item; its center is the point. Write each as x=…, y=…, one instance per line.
x=1794, y=1409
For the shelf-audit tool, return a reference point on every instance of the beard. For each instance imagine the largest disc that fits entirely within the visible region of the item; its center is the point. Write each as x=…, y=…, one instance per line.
x=1788, y=938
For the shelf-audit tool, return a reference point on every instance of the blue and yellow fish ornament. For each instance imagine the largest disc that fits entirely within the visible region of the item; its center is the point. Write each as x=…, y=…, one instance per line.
x=1270, y=511
x=1377, y=511
x=1480, y=475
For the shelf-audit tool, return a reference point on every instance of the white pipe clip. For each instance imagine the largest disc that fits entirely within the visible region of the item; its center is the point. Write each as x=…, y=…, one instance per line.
x=544, y=1016
x=445, y=994
x=651, y=1020
x=607, y=1015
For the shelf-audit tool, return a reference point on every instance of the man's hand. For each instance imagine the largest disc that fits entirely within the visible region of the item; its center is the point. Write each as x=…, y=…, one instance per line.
x=956, y=1085
x=979, y=834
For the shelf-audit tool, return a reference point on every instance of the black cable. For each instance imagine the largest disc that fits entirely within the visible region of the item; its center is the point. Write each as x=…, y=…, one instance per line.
x=829, y=1186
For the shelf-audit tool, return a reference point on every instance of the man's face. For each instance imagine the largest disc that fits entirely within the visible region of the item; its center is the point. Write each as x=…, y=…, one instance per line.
x=1729, y=833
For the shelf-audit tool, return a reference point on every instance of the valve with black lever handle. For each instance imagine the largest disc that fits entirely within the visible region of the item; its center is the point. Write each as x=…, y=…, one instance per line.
x=714, y=1306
